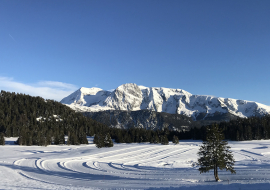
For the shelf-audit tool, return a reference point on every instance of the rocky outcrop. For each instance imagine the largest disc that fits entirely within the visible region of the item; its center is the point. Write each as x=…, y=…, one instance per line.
x=142, y=119
x=148, y=119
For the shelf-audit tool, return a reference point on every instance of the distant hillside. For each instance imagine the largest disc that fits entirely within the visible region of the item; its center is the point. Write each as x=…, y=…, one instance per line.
x=41, y=122
x=144, y=119
x=152, y=120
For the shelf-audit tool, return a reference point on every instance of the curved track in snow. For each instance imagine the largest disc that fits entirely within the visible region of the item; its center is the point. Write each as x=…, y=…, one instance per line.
x=138, y=165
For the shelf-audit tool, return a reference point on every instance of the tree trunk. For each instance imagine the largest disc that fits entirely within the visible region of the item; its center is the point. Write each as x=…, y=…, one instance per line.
x=216, y=173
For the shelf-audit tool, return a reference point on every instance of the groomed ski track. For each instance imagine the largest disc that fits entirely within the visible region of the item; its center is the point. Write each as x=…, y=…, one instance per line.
x=133, y=166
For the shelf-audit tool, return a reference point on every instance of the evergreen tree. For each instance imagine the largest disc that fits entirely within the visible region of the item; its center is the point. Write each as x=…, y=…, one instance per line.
x=40, y=122
x=69, y=139
x=61, y=138
x=2, y=139
x=175, y=140
x=119, y=137
x=156, y=139
x=99, y=140
x=108, y=141
x=56, y=139
x=103, y=140
x=82, y=137
x=215, y=153
x=95, y=141
x=127, y=138
x=164, y=140
x=152, y=140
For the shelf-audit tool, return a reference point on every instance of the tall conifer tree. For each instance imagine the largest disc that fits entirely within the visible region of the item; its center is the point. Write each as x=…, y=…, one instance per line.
x=175, y=140
x=215, y=153
x=2, y=139
x=164, y=140
x=108, y=141
x=99, y=140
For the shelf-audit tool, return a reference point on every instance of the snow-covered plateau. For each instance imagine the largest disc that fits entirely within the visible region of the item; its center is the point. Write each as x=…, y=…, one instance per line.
x=129, y=166
x=131, y=97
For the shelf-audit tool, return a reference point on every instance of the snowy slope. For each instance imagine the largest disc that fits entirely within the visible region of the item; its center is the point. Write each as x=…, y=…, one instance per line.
x=131, y=97
x=130, y=166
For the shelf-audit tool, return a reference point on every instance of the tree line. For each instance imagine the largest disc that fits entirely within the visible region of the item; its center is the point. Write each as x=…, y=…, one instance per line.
x=240, y=129
x=37, y=121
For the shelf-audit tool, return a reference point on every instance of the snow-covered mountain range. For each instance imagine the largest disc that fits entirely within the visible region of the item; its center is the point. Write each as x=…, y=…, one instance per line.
x=131, y=97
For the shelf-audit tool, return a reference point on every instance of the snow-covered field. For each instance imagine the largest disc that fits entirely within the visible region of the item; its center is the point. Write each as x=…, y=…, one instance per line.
x=129, y=166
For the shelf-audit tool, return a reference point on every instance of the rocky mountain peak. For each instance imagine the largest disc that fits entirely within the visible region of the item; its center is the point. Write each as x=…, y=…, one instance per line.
x=131, y=97
x=129, y=89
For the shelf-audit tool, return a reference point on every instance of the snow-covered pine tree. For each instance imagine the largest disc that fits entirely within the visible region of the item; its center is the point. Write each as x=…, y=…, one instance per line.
x=108, y=141
x=2, y=139
x=215, y=153
x=175, y=140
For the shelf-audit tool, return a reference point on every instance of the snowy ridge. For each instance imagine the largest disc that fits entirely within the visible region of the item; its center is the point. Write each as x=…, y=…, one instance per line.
x=131, y=97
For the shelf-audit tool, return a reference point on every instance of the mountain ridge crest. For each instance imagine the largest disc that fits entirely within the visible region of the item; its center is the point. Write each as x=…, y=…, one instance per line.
x=131, y=97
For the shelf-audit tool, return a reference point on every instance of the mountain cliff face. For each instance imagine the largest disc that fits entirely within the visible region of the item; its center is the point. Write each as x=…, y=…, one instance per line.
x=131, y=97
x=148, y=119
x=143, y=119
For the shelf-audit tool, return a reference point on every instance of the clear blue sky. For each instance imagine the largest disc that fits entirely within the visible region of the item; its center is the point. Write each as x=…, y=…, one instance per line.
x=221, y=48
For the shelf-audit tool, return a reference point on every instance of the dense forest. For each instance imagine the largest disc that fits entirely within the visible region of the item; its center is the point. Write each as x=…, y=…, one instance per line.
x=37, y=121
x=252, y=128
x=42, y=122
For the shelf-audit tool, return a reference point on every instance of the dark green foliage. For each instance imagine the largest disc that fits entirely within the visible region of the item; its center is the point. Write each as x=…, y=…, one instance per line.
x=156, y=139
x=108, y=141
x=164, y=140
x=215, y=153
x=99, y=140
x=175, y=140
x=253, y=128
x=19, y=113
x=73, y=139
x=138, y=135
x=59, y=138
x=2, y=139
x=103, y=140
x=95, y=141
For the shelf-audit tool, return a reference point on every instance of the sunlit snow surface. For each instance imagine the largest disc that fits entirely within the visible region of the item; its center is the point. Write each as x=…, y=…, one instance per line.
x=129, y=166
